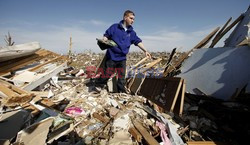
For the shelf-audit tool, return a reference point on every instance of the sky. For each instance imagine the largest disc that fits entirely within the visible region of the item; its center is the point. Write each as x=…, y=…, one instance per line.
x=161, y=24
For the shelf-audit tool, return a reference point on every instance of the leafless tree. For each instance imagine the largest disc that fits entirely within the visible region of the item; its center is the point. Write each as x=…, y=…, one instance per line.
x=8, y=40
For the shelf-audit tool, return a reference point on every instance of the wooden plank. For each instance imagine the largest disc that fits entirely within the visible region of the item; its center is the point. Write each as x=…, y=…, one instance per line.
x=144, y=69
x=140, y=62
x=47, y=103
x=178, y=109
x=40, y=93
x=169, y=61
x=135, y=134
x=207, y=38
x=15, y=97
x=226, y=30
x=14, y=62
x=101, y=118
x=23, y=62
x=34, y=111
x=202, y=43
x=149, y=139
x=41, y=65
x=16, y=89
x=175, y=96
x=7, y=91
x=219, y=33
x=148, y=66
x=137, y=82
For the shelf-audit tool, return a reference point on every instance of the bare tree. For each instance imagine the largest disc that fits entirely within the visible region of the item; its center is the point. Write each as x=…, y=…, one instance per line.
x=9, y=40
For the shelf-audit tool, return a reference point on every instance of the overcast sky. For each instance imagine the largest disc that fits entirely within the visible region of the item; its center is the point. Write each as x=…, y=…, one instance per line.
x=161, y=24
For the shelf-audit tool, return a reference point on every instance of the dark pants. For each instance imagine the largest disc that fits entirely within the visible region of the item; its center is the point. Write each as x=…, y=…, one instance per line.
x=110, y=68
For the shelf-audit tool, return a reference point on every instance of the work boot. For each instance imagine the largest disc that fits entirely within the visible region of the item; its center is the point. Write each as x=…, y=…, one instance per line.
x=99, y=87
x=96, y=90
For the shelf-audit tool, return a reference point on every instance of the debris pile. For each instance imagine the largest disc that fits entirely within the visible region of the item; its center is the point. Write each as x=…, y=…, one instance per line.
x=47, y=98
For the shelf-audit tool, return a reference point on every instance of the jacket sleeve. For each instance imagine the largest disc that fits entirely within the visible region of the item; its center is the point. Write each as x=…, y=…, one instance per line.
x=110, y=31
x=135, y=39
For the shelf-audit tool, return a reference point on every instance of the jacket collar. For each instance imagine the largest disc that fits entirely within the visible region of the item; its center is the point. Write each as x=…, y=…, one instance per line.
x=130, y=28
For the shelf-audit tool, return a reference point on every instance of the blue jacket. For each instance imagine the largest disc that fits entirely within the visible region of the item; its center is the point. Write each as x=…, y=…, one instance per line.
x=123, y=39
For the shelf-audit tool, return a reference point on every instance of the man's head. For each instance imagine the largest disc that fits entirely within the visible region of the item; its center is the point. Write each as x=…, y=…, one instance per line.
x=128, y=17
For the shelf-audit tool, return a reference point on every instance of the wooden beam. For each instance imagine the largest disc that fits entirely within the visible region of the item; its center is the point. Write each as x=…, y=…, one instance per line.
x=7, y=91
x=207, y=38
x=178, y=109
x=34, y=111
x=43, y=64
x=15, y=88
x=148, y=66
x=140, y=62
x=101, y=118
x=135, y=134
x=40, y=93
x=136, y=84
x=19, y=64
x=169, y=61
x=144, y=69
x=176, y=95
x=15, y=62
x=47, y=103
x=219, y=33
x=149, y=139
x=226, y=30
x=202, y=43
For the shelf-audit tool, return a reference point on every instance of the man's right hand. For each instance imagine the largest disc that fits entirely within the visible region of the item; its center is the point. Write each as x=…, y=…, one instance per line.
x=148, y=54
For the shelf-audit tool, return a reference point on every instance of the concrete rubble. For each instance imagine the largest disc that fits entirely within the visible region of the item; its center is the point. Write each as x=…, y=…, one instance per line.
x=47, y=98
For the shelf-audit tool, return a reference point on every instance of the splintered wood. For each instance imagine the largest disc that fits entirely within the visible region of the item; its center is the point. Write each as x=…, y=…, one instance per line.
x=15, y=96
x=149, y=139
x=15, y=64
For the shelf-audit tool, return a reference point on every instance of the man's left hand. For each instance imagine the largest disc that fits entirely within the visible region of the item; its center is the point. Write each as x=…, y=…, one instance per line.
x=148, y=54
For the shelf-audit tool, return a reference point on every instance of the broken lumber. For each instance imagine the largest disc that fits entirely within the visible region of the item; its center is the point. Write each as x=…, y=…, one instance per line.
x=135, y=134
x=149, y=138
x=43, y=64
x=15, y=64
x=202, y=43
x=169, y=61
x=178, y=109
x=101, y=118
x=140, y=62
x=226, y=30
x=219, y=33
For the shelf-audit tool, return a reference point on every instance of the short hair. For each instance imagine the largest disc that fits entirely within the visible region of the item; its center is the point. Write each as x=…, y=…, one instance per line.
x=127, y=12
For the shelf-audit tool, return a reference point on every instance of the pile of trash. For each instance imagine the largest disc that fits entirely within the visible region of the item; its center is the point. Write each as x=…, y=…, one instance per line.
x=174, y=98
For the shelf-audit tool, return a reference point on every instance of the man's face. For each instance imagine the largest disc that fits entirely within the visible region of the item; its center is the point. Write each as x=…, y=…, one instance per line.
x=129, y=19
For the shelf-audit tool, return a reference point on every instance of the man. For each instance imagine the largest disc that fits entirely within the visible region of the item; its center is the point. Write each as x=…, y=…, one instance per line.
x=123, y=35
